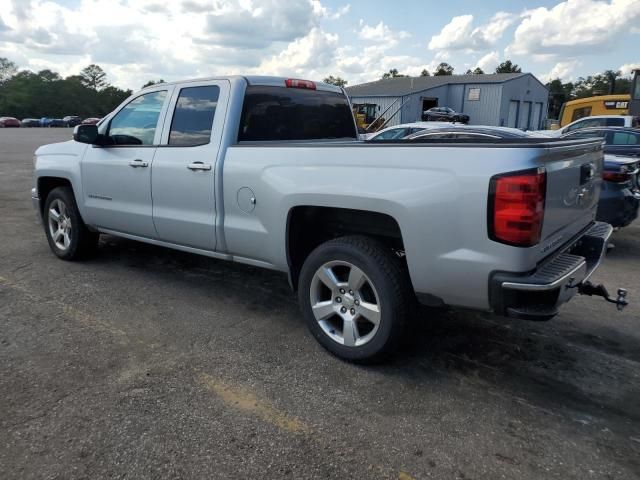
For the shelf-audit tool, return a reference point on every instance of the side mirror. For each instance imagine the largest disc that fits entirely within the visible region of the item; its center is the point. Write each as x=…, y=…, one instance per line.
x=86, y=134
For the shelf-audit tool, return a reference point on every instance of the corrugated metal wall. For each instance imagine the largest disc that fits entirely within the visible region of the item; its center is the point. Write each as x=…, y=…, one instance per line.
x=485, y=110
x=521, y=90
x=412, y=111
x=492, y=107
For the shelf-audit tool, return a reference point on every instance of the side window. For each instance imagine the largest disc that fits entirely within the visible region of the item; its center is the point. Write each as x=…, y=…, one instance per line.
x=579, y=113
x=389, y=134
x=615, y=122
x=193, y=116
x=624, y=138
x=575, y=126
x=136, y=123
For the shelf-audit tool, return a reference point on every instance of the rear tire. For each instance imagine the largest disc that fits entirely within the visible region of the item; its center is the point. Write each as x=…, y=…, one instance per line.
x=68, y=236
x=356, y=298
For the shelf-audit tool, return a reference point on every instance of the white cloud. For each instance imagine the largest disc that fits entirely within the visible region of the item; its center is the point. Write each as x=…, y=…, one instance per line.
x=627, y=68
x=489, y=62
x=303, y=57
x=460, y=34
x=563, y=70
x=135, y=40
x=381, y=33
x=574, y=27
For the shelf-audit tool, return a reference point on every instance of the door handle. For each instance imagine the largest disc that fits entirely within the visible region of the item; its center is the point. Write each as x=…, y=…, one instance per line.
x=199, y=166
x=138, y=163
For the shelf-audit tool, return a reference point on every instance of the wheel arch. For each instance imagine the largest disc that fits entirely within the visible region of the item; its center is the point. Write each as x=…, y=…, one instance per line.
x=46, y=184
x=309, y=226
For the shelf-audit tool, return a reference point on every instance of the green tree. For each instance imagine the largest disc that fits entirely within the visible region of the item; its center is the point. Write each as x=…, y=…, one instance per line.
x=49, y=76
x=337, y=81
x=425, y=73
x=28, y=94
x=7, y=69
x=508, y=67
x=444, y=69
x=152, y=82
x=94, y=77
x=478, y=71
x=393, y=73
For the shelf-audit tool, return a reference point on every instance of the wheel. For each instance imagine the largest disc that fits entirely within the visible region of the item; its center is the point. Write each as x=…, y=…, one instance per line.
x=68, y=236
x=355, y=297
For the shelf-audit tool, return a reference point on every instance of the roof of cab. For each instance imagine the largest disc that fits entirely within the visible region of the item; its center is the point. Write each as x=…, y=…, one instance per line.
x=252, y=80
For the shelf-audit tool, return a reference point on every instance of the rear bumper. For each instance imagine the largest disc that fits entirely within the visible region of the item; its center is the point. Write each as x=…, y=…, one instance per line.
x=538, y=295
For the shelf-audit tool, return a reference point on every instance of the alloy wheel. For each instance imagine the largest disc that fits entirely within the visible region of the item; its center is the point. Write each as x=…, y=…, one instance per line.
x=345, y=303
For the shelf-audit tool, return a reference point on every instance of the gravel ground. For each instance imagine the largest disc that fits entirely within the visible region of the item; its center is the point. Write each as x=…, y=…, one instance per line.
x=149, y=363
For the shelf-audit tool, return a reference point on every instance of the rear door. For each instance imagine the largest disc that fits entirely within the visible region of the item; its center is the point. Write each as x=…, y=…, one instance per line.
x=183, y=174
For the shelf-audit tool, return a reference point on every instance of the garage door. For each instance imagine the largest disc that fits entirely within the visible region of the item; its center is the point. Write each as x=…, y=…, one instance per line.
x=512, y=121
x=535, y=118
x=525, y=112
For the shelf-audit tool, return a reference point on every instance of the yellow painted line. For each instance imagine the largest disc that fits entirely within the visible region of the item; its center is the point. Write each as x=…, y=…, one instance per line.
x=405, y=476
x=244, y=400
x=81, y=317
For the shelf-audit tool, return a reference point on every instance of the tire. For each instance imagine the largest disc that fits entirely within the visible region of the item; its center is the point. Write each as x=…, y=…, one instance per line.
x=75, y=240
x=370, y=277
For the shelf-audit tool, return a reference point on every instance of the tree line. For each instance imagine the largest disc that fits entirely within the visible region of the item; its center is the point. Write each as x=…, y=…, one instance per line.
x=27, y=94
x=442, y=69
x=605, y=83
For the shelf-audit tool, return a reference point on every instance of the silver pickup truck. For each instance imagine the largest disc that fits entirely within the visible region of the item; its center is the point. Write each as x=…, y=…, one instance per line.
x=269, y=172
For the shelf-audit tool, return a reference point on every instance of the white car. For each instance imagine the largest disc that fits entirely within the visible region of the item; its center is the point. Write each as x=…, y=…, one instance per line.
x=400, y=131
x=596, y=121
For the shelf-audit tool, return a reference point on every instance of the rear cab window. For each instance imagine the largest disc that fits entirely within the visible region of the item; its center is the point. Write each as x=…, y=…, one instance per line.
x=277, y=113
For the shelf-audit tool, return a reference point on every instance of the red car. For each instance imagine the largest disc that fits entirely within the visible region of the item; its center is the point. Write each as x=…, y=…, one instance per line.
x=90, y=121
x=6, y=122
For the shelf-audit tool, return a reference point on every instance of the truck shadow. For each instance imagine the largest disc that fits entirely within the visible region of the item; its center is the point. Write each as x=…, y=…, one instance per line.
x=551, y=365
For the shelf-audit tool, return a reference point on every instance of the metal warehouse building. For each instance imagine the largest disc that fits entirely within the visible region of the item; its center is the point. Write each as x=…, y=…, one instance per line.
x=503, y=99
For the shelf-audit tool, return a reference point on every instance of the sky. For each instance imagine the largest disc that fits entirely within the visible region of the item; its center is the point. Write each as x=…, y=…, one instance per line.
x=139, y=40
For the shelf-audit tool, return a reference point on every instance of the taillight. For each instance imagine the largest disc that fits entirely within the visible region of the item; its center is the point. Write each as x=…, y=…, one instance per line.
x=616, y=177
x=516, y=207
x=295, y=83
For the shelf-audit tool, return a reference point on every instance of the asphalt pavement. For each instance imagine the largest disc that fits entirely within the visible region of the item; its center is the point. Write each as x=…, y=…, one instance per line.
x=149, y=363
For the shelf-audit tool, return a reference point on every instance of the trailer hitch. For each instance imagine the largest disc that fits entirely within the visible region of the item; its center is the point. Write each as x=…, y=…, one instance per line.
x=588, y=288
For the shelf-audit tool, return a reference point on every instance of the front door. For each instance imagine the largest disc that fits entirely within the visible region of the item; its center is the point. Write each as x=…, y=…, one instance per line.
x=116, y=176
x=183, y=173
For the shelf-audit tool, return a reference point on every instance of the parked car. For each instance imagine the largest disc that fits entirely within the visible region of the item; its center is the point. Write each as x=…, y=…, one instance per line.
x=444, y=114
x=262, y=171
x=617, y=140
x=597, y=121
x=57, y=122
x=30, y=122
x=401, y=131
x=470, y=132
x=620, y=196
x=72, y=120
x=90, y=121
x=9, y=122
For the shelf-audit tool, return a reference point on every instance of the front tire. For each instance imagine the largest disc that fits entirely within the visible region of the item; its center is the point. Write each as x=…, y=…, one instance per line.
x=355, y=296
x=68, y=236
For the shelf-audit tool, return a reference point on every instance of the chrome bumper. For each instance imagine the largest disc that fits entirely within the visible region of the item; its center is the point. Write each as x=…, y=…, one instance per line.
x=539, y=294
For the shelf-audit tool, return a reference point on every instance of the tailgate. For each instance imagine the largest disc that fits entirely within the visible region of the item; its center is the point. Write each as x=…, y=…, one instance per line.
x=574, y=177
